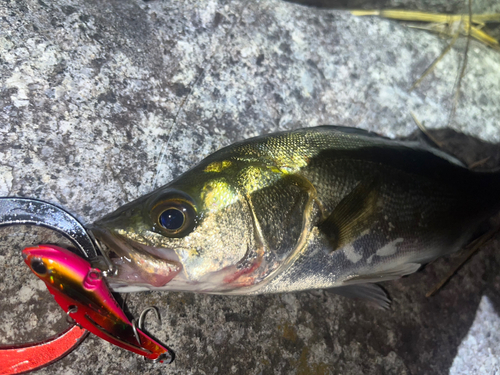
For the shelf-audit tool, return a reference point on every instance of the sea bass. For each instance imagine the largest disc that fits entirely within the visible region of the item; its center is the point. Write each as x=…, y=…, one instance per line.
x=312, y=208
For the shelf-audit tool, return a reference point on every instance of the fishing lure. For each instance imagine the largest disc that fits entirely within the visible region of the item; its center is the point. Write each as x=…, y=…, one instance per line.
x=83, y=294
x=98, y=310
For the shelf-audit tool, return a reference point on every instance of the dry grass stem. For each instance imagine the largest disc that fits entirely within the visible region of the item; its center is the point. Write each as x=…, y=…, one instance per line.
x=425, y=131
x=479, y=243
x=479, y=163
x=433, y=65
x=470, y=23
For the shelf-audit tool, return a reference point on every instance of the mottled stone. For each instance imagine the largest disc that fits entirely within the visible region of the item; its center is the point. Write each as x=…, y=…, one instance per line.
x=434, y=6
x=101, y=101
x=479, y=353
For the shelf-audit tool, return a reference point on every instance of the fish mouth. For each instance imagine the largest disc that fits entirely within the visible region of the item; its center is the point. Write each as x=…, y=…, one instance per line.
x=136, y=264
x=140, y=267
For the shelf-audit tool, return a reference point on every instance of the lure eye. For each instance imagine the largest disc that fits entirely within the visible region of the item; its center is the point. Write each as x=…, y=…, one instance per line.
x=38, y=266
x=174, y=215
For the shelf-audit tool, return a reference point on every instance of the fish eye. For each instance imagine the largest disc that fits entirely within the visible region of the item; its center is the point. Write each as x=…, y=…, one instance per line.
x=172, y=219
x=38, y=266
x=174, y=216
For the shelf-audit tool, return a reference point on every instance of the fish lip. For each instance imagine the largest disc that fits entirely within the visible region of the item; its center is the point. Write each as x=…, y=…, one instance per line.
x=132, y=269
x=118, y=244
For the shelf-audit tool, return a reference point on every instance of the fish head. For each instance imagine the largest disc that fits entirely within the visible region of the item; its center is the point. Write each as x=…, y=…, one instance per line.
x=196, y=233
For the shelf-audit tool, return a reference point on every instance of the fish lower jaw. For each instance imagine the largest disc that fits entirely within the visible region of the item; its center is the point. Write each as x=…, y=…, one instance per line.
x=209, y=284
x=137, y=264
x=178, y=285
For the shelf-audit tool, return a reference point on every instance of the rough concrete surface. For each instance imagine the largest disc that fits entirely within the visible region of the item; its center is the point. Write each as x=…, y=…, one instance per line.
x=101, y=101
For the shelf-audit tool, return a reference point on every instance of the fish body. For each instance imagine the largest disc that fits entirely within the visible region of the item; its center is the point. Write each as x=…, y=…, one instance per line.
x=312, y=208
x=82, y=292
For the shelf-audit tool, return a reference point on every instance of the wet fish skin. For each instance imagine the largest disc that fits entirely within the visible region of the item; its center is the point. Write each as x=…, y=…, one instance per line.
x=312, y=208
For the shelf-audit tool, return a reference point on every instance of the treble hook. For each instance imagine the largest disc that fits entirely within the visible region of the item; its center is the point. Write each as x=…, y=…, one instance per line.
x=140, y=325
x=169, y=356
x=143, y=315
x=69, y=319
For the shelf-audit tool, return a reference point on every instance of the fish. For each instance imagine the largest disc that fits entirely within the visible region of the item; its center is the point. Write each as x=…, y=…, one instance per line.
x=313, y=208
x=83, y=294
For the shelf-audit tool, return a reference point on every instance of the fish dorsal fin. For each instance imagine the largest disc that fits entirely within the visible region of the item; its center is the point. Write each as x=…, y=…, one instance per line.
x=352, y=130
x=411, y=144
x=353, y=215
x=369, y=292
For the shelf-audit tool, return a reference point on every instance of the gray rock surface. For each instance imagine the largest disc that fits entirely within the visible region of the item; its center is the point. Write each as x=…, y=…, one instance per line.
x=103, y=101
x=479, y=352
x=434, y=6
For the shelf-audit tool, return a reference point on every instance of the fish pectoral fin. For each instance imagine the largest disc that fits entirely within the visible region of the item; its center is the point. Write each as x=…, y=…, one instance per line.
x=384, y=274
x=369, y=292
x=353, y=215
x=359, y=286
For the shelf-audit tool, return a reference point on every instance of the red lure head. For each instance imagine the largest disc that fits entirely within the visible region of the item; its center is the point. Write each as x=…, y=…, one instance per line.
x=56, y=266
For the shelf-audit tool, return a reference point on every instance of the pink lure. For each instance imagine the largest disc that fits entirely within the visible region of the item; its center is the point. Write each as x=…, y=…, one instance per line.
x=83, y=293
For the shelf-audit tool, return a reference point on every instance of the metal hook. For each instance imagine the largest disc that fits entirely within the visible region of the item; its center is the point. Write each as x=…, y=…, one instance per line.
x=140, y=325
x=135, y=332
x=71, y=310
x=143, y=315
x=124, y=300
x=167, y=357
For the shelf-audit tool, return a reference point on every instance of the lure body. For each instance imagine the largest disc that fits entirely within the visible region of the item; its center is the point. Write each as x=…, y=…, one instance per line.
x=82, y=292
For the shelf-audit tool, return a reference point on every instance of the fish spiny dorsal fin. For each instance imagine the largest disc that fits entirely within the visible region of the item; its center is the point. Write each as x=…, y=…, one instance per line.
x=351, y=130
x=352, y=215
